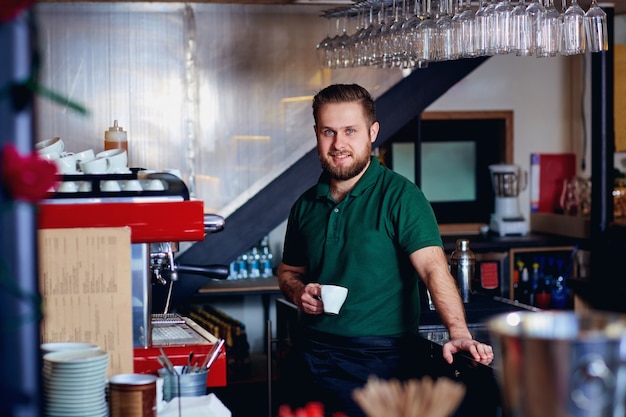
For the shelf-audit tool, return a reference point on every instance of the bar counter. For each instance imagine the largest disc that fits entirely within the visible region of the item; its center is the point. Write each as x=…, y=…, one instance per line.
x=493, y=243
x=483, y=396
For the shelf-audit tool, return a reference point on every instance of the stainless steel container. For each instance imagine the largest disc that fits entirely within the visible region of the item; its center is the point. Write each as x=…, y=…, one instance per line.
x=462, y=266
x=560, y=364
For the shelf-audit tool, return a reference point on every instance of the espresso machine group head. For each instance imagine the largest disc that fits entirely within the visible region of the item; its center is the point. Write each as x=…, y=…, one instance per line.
x=164, y=269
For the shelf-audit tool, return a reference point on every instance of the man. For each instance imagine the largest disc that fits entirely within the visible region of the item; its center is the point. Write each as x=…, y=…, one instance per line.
x=366, y=228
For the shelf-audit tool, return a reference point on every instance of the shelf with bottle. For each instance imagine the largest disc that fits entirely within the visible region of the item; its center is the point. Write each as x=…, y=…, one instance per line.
x=256, y=262
x=539, y=277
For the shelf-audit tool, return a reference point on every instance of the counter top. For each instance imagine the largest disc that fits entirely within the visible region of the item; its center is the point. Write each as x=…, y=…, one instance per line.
x=483, y=393
x=477, y=311
x=494, y=243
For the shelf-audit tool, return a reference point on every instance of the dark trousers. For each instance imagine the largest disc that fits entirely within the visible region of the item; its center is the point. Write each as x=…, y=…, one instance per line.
x=333, y=366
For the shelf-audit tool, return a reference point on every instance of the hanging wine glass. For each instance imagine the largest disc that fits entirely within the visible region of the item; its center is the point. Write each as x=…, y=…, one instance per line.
x=359, y=28
x=573, y=30
x=410, y=35
x=340, y=44
x=386, y=36
x=534, y=12
x=491, y=28
x=376, y=56
x=466, y=31
x=521, y=31
x=402, y=55
x=396, y=32
x=445, y=32
x=548, y=31
x=331, y=50
x=596, y=28
x=365, y=44
x=322, y=49
x=502, y=31
x=427, y=34
x=481, y=38
x=456, y=27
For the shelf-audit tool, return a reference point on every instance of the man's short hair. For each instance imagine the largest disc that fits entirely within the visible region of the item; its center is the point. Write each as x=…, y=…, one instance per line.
x=346, y=93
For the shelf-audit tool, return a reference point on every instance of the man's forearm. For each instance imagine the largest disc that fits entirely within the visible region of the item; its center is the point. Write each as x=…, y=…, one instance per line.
x=431, y=264
x=449, y=306
x=290, y=284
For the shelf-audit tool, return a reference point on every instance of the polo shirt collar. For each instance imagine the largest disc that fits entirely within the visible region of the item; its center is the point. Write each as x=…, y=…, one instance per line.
x=366, y=181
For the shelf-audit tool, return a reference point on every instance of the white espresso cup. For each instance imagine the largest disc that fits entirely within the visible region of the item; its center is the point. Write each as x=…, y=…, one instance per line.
x=50, y=156
x=110, y=186
x=85, y=155
x=333, y=297
x=95, y=166
x=50, y=145
x=118, y=158
x=67, y=164
x=67, y=187
x=132, y=185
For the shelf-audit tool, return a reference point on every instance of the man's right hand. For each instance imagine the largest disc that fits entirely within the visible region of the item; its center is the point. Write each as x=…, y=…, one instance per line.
x=306, y=297
x=310, y=300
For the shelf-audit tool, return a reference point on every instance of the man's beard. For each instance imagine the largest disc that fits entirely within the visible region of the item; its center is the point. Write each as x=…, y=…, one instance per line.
x=346, y=173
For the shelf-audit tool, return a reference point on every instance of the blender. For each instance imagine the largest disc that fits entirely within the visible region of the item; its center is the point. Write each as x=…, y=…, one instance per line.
x=508, y=181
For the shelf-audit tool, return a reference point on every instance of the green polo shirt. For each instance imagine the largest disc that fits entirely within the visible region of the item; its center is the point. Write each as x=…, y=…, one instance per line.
x=363, y=243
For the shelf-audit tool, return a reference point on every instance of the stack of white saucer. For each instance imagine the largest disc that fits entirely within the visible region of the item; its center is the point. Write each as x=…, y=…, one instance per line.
x=74, y=383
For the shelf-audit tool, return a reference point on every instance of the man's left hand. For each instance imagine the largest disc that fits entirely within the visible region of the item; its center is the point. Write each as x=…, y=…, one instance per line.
x=481, y=352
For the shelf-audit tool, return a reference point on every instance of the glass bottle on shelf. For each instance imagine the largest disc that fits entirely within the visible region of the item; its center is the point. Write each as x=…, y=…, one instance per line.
x=543, y=295
x=559, y=294
x=535, y=279
x=254, y=263
x=517, y=278
x=569, y=200
x=242, y=271
x=234, y=269
x=266, y=258
x=584, y=197
x=525, y=288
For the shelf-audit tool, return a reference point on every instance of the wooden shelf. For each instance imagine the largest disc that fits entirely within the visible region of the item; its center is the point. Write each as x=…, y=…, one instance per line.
x=246, y=286
x=560, y=224
x=265, y=287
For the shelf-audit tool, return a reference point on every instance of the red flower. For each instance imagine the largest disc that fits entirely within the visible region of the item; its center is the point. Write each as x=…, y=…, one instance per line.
x=26, y=178
x=9, y=9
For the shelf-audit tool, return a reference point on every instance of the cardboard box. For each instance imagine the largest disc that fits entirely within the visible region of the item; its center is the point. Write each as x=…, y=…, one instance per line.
x=85, y=283
x=547, y=173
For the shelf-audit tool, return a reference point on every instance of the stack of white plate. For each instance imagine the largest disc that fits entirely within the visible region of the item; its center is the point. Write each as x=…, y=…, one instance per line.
x=74, y=383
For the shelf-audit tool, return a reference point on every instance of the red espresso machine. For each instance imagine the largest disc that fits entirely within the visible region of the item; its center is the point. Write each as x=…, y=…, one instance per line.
x=159, y=218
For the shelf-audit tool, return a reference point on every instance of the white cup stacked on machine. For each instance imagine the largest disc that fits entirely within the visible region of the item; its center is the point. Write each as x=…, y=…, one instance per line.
x=111, y=161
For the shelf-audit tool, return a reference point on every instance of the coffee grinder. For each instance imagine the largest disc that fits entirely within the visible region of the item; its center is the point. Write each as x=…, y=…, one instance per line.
x=508, y=181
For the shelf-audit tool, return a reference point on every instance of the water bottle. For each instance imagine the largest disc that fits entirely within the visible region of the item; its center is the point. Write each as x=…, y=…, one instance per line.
x=266, y=258
x=462, y=265
x=242, y=269
x=234, y=269
x=525, y=288
x=254, y=263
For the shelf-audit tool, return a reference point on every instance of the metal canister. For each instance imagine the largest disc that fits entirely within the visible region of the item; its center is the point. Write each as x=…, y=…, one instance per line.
x=462, y=265
x=560, y=363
